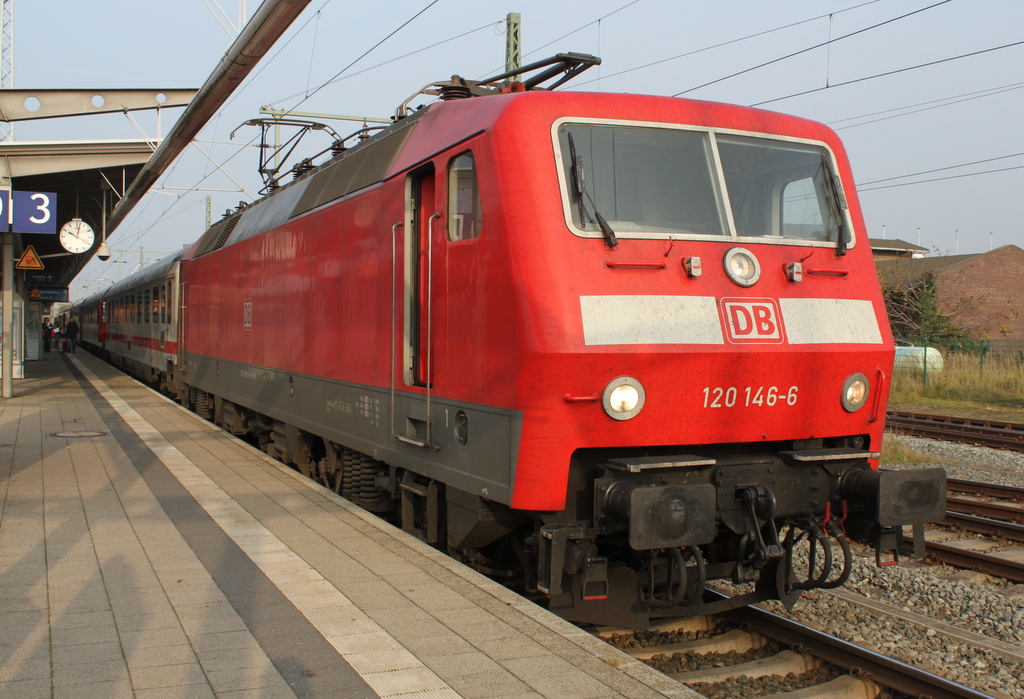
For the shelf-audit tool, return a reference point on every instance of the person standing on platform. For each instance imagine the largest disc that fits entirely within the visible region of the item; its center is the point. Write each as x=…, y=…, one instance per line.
x=47, y=337
x=71, y=333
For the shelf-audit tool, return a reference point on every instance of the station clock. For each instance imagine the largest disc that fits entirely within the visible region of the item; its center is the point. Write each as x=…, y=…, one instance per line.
x=77, y=236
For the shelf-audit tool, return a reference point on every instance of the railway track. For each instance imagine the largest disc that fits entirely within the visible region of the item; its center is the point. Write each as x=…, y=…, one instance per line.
x=985, y=433
x=993, y=511
x=743, y=647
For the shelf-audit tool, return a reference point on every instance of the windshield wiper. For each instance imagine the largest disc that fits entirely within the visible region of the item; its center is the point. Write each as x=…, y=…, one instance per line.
x=579, y=179
x=836, y=205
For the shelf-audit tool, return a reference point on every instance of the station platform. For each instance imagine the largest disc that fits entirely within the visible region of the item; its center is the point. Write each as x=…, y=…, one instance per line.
x=146, y=553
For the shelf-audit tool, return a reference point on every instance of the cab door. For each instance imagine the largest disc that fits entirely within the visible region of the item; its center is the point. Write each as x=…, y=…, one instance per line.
x=424, y=252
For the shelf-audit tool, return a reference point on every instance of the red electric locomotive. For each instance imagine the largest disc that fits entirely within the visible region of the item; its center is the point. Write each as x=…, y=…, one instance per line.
x=610, y=346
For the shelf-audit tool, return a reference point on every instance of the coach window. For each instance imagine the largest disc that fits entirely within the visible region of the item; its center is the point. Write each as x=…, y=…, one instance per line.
x=145, y=306
x=167, y=302
x=156, y=305
x=464, y=214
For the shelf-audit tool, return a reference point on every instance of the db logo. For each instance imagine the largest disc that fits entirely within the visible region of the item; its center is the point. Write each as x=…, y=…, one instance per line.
x=752, y=320
x=247, y=314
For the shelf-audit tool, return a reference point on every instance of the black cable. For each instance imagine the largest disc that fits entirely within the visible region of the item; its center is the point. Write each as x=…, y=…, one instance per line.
x=724, y=43
x=243, y=146
x=940, y=179
x=811, y=48
x=946, y=103
x=948, y=167
x=392, y=60
x=892, y=72
x=370, y=50
x=978, y=94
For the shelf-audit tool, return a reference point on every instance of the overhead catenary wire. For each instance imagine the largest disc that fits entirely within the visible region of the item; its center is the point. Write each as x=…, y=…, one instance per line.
x=175, y=207
x=309, y=94
x=392, y=60
x=925, y=106
x=891, y=72
x=948, y=167
x=367, y=52
x=940, y=179
x=564, y=36
x=574, y=31
x=722, y=44
x=812, y=48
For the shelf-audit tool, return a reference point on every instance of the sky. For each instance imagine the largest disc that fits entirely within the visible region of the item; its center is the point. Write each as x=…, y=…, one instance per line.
x=927, y=95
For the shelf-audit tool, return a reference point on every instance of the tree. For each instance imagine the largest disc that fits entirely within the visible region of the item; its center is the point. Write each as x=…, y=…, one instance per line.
x=913, y=310
x=918, y=311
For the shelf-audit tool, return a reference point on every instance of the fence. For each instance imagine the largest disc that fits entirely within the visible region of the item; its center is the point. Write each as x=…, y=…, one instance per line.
x=984, y=370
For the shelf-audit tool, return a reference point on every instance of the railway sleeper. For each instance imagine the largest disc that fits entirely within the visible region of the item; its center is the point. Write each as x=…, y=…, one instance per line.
x=778, y=665
x=733, y=641
x=842, y=687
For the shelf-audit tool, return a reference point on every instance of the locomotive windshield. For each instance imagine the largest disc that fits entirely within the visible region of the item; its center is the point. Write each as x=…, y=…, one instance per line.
x=660, y=182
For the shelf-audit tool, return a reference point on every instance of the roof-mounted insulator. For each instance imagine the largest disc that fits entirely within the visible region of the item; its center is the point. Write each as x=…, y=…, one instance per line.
x=338, y=148
x=457, y=89
x=301, y=168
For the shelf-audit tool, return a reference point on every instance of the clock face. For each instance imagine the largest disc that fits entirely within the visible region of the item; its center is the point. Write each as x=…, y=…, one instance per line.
x=77, y=236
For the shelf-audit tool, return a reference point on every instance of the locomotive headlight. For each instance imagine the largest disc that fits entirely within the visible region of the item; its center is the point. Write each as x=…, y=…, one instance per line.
x=855, y=392
x=742, y=267
x=623, y=398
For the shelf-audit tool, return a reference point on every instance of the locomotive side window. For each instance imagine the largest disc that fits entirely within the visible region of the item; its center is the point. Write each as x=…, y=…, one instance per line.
x=464, y=214
x=780, y=189
x=641, y=179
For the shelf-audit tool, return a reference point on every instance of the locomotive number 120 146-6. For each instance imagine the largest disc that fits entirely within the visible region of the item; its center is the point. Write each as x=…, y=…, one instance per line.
x=747, y=396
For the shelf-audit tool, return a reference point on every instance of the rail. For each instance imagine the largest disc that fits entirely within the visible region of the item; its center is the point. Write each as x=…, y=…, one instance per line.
x=986, y=433
x=885, y=671
x=1002, y=521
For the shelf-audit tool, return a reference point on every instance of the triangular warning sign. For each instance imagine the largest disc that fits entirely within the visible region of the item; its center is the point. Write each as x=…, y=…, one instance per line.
x=29, y=260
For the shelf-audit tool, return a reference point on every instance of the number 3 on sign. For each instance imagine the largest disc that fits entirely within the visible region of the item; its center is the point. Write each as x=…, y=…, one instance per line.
x=32, y=212
x=42, y=202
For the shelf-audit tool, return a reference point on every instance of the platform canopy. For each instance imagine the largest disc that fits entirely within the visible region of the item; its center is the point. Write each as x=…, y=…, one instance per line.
x=83, y=174
x=86, y=176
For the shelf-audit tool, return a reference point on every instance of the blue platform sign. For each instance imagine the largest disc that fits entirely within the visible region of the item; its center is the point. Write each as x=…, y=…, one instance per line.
x=34, y=212
x=41, y=278
x=59, y=295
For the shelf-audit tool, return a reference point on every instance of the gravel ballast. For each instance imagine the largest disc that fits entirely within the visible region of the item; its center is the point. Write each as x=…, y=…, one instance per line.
x=981, y=604
x=983, y=650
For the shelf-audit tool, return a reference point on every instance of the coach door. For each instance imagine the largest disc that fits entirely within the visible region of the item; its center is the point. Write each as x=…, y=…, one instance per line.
x=182, y=315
